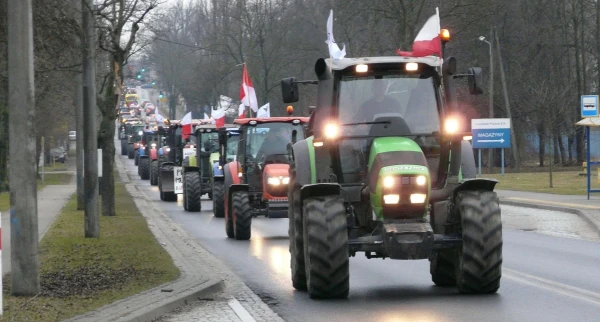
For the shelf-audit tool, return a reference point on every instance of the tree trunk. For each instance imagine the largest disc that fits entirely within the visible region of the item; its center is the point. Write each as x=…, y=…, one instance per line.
x=106, y=142
x=550, y=166
x=542, y=144
x=563, y=154
x=555, y=148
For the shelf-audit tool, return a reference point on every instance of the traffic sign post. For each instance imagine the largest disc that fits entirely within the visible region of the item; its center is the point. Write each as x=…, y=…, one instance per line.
x=491, y=134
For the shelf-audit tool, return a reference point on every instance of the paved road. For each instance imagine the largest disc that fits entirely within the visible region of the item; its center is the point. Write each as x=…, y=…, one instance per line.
x=545, y=278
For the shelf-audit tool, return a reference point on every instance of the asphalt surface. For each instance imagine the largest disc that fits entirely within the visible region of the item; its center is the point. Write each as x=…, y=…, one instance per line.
x=545, y=277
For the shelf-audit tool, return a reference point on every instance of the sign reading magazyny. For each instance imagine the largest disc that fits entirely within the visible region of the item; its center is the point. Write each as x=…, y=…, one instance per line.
x=178, y=175
x=490, y=133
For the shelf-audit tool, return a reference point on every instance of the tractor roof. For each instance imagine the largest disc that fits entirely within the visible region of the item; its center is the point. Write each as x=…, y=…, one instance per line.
x=212, y=127
x=339, y=64
x=278, y=119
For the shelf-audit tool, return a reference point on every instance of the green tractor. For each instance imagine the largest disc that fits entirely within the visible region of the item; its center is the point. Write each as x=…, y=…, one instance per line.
x=129, y=136
x=197, y=167
x=395, y=177
x=228, y=143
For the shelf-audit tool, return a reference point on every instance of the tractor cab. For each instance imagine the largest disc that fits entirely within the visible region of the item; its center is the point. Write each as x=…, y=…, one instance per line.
x=388, y=171
x=228, y=142
x=148, y=151
x=172, y=158
x=256, y=183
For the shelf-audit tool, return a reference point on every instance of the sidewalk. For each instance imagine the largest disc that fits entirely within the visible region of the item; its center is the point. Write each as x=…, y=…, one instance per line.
x=588, y=210
x=51, y=200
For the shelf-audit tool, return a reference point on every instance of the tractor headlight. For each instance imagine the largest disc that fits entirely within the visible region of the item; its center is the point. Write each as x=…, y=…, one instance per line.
x=153, y=145
x=168, y=149
x=391, y=199
x=140, y=133
x=421, y=180
x=285, y=180
x=388, y=182
x=451, y=125
x=331, y=130
x=418, y=198
x=219, y=167
x=273, y=181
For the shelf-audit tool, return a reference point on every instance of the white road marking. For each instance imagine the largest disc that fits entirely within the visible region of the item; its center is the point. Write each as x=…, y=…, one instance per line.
x=557, y=287
x=240, y=311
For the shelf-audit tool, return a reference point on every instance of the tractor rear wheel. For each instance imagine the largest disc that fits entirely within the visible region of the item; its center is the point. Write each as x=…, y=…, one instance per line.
x=144, y=168
x=479, y=260
x=218, y=204
x=130, y=152
x=171, y=195
x=123, y=147
x=136, y=159
x=154, y=173
x=242, y=216
x=326, y=247
x=192, y=191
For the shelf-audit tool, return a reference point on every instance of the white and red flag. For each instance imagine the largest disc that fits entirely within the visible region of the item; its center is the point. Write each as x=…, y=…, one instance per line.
x=428, y=41
x=186, y=125
x=242, y=111
x=218, y=117
x=247, y=93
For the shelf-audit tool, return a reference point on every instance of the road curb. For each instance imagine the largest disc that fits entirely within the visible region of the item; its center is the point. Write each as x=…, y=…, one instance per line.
x=581, y=213
x=196, y=280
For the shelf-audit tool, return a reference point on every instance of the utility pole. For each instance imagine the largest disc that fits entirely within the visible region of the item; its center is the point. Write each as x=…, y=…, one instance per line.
x=491, y=111
x=79, y=121
x=25, y=264
x=90, y=145
x=514, y=145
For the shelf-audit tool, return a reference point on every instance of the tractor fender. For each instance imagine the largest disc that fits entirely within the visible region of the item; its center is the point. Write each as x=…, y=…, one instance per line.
x=474, y=184
x=190, y=169
x=468, y=168
x=232, y=167
x=302, y=162
x=319, y=189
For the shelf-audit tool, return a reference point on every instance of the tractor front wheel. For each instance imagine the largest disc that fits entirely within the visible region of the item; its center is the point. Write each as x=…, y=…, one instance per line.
x=229, y=221
x=192, y=191
x=242, y=216
x=154, y=173
x=326, y=247
x=167, y=196
x=479, y=260
x=144, y=168
x=218, y=204
x=130, y=152
x=296, y=240
x=123, y=147
x=136, y=159
x=441, y=267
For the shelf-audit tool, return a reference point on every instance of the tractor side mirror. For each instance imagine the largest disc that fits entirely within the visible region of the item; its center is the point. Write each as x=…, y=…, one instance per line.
x=475, y=80
x=294, y=136
x=223, y=135
x=289, y=90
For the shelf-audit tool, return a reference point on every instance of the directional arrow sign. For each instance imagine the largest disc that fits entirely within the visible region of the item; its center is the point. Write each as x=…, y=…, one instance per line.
x=490, y=133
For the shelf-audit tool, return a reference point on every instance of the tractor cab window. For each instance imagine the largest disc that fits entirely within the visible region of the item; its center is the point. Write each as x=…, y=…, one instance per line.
x=209, y=142
x=386, y=105
x=270, y=140
x=232, y=145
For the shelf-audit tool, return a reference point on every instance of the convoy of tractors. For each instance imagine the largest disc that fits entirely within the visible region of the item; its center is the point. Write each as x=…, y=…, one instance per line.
x=383, y=166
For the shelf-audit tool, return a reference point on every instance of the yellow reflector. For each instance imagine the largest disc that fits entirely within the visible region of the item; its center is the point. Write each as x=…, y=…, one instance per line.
x=417, y=198
x=391, y=199
x=445, y=35
x=362, y=68
x=467, y=138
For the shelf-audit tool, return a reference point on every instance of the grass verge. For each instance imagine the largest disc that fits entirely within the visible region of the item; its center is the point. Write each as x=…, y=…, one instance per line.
x=565, y=183
x=79, y=275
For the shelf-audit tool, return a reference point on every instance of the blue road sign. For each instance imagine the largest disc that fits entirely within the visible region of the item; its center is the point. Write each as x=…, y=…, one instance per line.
x=491, y=138
x=589, y=105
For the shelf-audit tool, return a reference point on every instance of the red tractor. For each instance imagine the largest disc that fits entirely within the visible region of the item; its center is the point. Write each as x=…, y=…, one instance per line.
x=256, y=183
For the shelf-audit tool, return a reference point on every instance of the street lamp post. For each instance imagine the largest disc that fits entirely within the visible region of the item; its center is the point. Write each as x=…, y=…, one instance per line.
x=491, y=95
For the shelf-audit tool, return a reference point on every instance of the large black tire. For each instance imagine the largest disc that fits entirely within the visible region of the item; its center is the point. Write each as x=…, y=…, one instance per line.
x=136, y=159
x=144, y=168
x=295, y=234
x=326, y=247
x=192, y=191
x=130, y=152
x=154, y=173
x=227, y=199
x=242, y=218
x=479, y=260
x=441, y=267
x=218, y=203
x=123, y=147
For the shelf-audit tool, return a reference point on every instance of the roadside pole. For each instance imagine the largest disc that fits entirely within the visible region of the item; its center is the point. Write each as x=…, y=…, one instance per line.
x=90, y=179
x=43, y=153
x=22, y=151
x=79, y=121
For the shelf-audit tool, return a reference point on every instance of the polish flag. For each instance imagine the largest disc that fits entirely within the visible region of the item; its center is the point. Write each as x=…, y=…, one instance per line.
x=218, y=117
x=206, y=118
x=247, y=93
x=186, y=125
x=242, y=111
x=428, y=40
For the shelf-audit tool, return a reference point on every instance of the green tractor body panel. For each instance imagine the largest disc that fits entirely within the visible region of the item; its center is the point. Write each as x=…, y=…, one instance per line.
x=395, y=144
x=311, y=155
x=191, y=160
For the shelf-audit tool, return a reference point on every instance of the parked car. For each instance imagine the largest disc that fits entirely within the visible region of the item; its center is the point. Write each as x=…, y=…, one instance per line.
x=72, y=135
x=59, y=155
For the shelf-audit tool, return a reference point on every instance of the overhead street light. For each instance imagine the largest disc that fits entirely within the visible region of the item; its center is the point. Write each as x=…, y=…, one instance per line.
x=491, y=95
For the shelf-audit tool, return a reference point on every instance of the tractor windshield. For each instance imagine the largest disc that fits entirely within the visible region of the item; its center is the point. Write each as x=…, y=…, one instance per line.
x=409, y=100
x=270, y=139
x=232, y=144
x=209, y=142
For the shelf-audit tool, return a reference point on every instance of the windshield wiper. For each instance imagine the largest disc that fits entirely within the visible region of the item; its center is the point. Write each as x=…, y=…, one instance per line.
x=366, y=123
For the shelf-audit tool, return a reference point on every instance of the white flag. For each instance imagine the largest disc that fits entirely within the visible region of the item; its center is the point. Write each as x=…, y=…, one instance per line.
x=334, y=49
x=264, y=111
x=159, y=118
x=206, y=118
